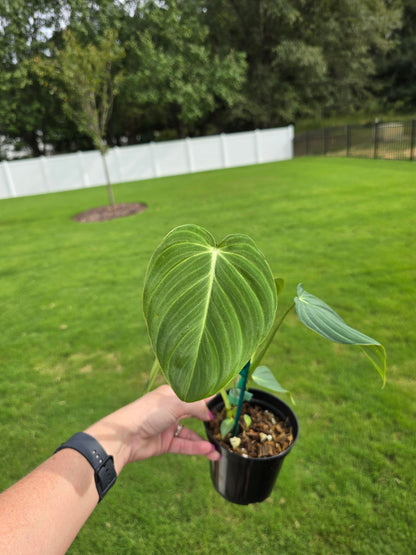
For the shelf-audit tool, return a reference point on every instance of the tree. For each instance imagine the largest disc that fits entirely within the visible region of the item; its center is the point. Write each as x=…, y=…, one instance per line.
x=397, y=68
x=26, y=113
x=29, y=115
x=305, y=57
x=352, y=35
x=171, y=69
x=84, y=78
x=193, y=65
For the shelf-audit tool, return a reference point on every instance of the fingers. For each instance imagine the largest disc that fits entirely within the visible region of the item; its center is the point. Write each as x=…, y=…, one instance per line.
x=188, y=434
x=197, y=409
x=189, y=442
x=183, y=409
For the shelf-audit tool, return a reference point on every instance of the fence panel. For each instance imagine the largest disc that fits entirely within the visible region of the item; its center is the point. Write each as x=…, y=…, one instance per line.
x=206, y=153
x=272, y=144
x=361, y=143
x=131, y=163
x=393, y=140
x=63, y=172
x=171, y=158
x=28, y=176
x=336, y=141
x=389, y=141
x=240, y=149
x=85, y=169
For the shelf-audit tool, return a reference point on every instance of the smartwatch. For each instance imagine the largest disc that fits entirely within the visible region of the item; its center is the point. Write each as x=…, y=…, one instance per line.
x=104, y=472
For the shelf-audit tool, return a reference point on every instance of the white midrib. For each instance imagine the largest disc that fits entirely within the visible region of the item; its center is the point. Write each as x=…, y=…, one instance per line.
x=214, y=251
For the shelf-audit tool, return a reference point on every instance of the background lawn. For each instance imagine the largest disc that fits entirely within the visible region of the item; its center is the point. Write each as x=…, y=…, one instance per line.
x=73, y=347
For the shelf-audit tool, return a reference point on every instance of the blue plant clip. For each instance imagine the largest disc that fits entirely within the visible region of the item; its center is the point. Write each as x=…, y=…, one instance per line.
x=242, y=387
x=234, y=395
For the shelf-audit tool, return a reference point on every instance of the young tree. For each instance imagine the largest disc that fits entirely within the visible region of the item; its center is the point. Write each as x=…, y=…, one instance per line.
x=85, y=78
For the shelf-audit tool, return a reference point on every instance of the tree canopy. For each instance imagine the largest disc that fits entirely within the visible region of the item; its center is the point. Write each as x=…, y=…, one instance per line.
x=192, y=67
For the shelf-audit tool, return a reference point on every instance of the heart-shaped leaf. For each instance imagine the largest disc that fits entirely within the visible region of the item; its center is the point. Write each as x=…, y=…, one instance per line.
x=207, y=308
x=264, y=377
x=321, y=318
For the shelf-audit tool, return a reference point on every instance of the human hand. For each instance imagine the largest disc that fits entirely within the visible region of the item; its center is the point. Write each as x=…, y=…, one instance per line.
x=146, y=428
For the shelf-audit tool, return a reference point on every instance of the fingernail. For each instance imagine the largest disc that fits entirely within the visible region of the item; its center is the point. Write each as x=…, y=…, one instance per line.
x=211, y=416
x=219, y=456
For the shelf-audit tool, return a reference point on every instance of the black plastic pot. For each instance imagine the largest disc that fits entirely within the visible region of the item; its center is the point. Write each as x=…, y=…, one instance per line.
x=245, y=480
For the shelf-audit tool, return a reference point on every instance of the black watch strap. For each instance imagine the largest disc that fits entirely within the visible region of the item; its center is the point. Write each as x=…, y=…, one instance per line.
x=103, y=464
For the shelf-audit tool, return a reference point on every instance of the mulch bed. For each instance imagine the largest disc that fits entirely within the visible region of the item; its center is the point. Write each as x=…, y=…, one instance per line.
x=267, y=435
x=104, y=213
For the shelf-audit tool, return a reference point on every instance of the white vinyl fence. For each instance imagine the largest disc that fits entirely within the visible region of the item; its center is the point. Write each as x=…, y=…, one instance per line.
x=129, y=163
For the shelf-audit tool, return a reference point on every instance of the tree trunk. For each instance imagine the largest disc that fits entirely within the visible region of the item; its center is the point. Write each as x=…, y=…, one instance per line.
x=107, y=177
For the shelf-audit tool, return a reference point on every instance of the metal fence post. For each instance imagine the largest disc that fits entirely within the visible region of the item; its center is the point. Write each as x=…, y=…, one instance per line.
x=412, y=140
x=375, y=140
x=348, y=138
x=326, y=131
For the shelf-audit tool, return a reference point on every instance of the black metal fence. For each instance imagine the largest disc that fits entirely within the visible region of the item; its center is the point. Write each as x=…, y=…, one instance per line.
x=389, y=141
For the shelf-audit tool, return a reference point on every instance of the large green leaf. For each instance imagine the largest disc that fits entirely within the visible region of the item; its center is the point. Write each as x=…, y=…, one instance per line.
x=321, y=318
x=207, y=308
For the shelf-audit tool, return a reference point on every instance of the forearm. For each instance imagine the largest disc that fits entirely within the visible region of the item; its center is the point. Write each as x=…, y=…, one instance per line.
x=43, y=512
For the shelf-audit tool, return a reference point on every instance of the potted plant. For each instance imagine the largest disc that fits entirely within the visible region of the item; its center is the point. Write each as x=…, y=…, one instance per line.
x=211, y=314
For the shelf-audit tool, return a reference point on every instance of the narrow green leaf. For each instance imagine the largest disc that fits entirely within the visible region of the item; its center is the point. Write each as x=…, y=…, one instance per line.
x=207, y=307
x=279, y=283
x=316, y=315
x=226, y=426
x=247, y=420
x=264, y=377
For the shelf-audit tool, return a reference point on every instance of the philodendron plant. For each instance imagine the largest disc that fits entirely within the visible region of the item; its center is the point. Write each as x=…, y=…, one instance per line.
x=211, y=314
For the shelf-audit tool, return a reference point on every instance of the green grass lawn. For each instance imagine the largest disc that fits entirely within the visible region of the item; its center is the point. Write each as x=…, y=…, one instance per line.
x=73, y=347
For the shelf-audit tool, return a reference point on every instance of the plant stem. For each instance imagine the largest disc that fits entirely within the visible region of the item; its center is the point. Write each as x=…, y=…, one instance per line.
x=108, y=180
x=226, y=400
x=152, y=375
x=265, y=345
x=242, y=386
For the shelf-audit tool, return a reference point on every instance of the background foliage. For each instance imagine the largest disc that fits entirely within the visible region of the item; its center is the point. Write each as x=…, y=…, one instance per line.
x=204, y=66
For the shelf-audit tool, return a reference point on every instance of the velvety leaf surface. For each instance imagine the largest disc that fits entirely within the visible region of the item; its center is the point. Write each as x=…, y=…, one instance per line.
x=321, y=318
x=207, y=308
x=264, y=377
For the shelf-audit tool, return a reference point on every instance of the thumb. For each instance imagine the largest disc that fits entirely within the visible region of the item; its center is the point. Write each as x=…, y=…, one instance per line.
x=197, y=409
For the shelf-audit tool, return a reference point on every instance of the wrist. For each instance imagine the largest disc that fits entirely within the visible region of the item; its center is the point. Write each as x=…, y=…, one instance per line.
x=102, y=463
x=114, y=445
